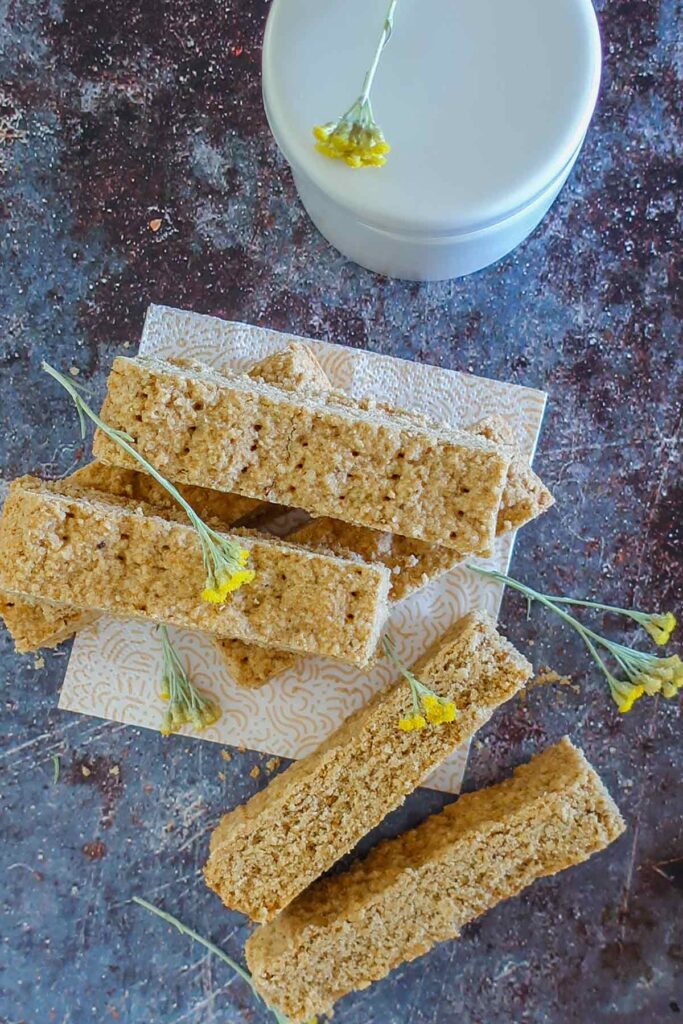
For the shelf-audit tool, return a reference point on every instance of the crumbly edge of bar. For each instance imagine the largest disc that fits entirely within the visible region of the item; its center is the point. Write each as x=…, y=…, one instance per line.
x=362, y=771
x=251, y=667
x=115, y=481
x=525, y=496
x=339, y=926
x=34, y=625
x=294, y=368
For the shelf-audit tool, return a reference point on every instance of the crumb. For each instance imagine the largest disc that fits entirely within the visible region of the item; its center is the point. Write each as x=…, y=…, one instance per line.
x=126, y=344
x=226, y=755
x=221, y=776
x=74, y=371
x=273, y=763
x=39, y=662
x=255, y=772
x=148, y=788
x=546, y=676
x=114, y=770
x=169, y=826
x=242, y=747
x=155, y=224
x=85, y=771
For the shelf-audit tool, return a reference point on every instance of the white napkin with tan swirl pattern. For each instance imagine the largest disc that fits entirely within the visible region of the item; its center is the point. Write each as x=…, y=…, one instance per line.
x=114, y=669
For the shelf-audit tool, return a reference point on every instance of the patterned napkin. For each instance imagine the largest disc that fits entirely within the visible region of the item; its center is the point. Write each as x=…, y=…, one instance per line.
x=114, y=669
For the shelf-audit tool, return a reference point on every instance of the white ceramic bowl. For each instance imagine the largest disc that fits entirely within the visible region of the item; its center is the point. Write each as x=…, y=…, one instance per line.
x=485, y=103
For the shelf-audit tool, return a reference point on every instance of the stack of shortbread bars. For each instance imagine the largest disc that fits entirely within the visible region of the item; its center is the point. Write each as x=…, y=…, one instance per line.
x=393, y=501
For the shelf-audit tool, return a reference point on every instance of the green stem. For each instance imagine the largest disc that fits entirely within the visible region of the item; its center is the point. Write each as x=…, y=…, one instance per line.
x=534, y=595
x=630, y=660
x=383, y=40
x=596, y=656
x=212, y=948
x=598, y=606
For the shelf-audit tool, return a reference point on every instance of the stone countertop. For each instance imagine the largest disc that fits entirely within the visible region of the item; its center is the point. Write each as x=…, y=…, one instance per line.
x=115, y=116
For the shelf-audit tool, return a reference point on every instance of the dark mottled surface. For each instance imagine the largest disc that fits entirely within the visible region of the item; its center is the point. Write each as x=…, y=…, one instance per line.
x=121, y=112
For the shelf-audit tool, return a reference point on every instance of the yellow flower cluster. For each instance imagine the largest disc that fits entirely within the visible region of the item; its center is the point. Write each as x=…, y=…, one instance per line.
x=227, y=580
x=653, y=675
x=436, y=712
x=625, y=694
x=660, y=627
x=645, y=673
x=186, y=705
x=355, y=137
x=200, y=714
x=428, y=707
x=357, y=144
x=413, y=723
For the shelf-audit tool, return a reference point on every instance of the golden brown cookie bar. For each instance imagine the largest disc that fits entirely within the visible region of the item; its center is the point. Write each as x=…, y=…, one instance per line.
x=265, y=853
x=412, y=563
x=352, y=929
x=232, y=433
x=525, y=496
x=34, y=626
x=113, y=555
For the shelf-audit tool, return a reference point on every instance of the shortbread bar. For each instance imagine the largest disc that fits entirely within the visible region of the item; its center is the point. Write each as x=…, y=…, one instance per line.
x=232, y=433
x=95, y=553
x=352, y=929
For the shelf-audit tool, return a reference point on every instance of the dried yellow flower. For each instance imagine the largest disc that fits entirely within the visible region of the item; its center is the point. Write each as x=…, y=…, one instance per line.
x=355, y=137
x=413, y=723
x=645, y=673
x=428, y=707
x=186, y=705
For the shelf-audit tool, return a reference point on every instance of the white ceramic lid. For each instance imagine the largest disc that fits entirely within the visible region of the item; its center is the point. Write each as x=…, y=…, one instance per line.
x=484, y=102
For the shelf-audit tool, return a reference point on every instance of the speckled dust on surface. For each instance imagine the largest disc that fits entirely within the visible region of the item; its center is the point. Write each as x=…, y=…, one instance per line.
x=137, y=167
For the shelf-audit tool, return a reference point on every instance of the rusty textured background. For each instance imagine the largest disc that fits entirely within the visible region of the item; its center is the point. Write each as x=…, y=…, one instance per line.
x=115, y=114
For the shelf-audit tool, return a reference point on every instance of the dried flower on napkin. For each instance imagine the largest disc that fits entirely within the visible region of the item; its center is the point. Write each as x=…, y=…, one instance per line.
x=355, y=137
x=186, y=705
